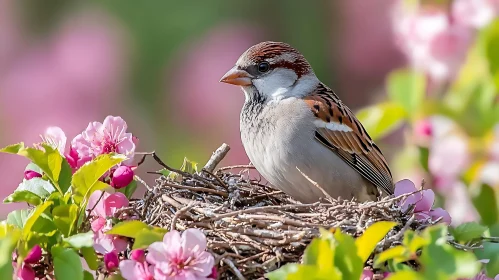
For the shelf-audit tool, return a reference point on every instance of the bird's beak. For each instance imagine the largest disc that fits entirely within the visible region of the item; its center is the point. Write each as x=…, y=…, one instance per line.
x=237, y=77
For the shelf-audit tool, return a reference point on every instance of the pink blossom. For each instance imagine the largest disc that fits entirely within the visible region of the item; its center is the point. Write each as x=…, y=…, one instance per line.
x=422, y=202
x=111, y=261
x=181, y=257
x=431, y=41
x=30, y=174
x=102, y=209
x=122, y=176
x=26, y=272
x=138, y=255
x=475, y=13
x=34, y=255
x=56, y=138
x=367, y=275
x=103, y=138
x=451, y=148
x=423, y=130
x=135, y=270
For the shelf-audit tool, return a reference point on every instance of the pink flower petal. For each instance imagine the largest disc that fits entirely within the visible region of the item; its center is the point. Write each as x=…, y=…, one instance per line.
x=97, y=203
x=156, y=253
x=439, y=212
x=193, y=240
x=406, y=186
x=114, y=202
x=98, y=224
x=426, y=202
x=367, y=275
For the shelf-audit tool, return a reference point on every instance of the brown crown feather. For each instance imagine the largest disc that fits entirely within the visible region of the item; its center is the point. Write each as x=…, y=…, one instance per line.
x=269, y=50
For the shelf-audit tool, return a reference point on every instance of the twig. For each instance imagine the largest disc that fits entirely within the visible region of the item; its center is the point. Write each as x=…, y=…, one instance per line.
x=315, y=184
x=179, y=213
x=233, y=268
x=216, y=157
x=243, y=166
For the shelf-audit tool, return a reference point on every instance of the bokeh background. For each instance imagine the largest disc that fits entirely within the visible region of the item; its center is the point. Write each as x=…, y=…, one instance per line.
x=157, y=64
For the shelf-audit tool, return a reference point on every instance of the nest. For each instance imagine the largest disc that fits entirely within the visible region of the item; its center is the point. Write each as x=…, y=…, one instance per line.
x=252, y=228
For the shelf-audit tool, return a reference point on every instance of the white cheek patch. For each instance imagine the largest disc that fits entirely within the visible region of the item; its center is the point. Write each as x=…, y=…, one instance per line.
x=282, y=83
x=334, y=126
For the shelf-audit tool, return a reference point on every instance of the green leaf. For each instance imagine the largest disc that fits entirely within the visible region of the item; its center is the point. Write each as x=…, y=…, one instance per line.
x=38, y=186
x=381, y=119
x=397, y=253
x=146, y=237
x=65, y=218
x=49, y=160
x=13, y=149
x=128, y=228
x=23, y=196
x=439, y=258
x=491, y=34
x=87, y=275
x=468, y=231
x=346, y=259
x=414, y=241
x=18, y=217
x=405, y=275
x=485, y=201
x=407, y=88
x=7, y=245
x=283, y=272
x=373, y=234
x=44, y=226
x=86, y=179
x=492, y=267
x=90, y=257
x=81, y=240
x=67, y=264
x=33, y=167
x=130, y=189
x=424, y=156
x=34, y=216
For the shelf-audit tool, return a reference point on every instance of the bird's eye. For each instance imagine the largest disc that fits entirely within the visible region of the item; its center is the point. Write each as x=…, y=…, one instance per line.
x=263, y=67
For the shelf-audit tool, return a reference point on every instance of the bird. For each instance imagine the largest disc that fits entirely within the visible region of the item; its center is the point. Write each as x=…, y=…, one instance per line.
x=299, y=135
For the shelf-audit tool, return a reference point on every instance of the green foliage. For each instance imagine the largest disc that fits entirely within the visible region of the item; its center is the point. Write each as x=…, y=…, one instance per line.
x=339, y=256
x=468, y=231
x=406, y=88
x=60, y=198
x=367, y=242
x=49, y=160
x=86, y=180
x=67, y=264
x=382, y=118
x=485, y=201
x=143, y=234
x=335, y=255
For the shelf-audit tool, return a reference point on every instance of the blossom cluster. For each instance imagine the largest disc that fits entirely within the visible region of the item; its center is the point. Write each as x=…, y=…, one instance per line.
x=177, y=257
x=435, y=38
x=111, y=136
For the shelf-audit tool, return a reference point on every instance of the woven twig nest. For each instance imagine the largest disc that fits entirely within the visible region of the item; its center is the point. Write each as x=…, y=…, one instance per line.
x=252, y=228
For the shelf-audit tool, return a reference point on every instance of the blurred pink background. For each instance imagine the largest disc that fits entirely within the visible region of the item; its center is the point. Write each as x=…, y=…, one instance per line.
x=158, y=67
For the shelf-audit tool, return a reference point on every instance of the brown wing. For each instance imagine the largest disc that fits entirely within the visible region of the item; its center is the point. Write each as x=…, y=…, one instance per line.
x=342, y=132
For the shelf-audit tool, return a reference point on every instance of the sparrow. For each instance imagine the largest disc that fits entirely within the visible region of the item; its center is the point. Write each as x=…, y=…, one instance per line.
x=299, y=135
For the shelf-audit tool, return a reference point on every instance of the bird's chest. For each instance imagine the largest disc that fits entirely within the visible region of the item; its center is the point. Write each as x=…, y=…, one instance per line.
x=274, y=135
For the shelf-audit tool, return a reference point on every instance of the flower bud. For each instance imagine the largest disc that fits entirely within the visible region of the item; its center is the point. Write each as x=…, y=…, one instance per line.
x=34, y=255
x=214, y=273
x=138, y=255
x=122, y=176
x=30, y=174
x=111, y=261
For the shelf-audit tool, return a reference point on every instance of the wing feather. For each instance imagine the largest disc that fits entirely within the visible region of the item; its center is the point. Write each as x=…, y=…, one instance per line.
x=342, y=132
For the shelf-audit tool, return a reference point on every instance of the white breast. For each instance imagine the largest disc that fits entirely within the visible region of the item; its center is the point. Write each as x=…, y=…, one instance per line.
x=281, y=139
